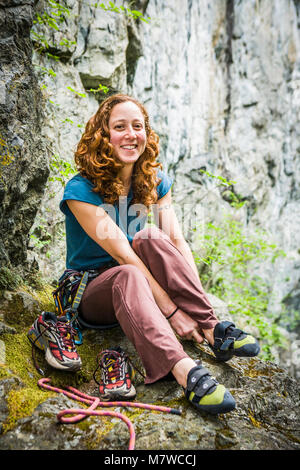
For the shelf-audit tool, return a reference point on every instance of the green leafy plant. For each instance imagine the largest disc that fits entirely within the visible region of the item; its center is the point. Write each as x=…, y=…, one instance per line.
x=40, y=236
x=235, y=200
x=52, y=18
x=221, y=180
x=55, y=14
x=228, y=266
x=101, y=88
x=83, y=95
x=61, y=170
x=111, y=6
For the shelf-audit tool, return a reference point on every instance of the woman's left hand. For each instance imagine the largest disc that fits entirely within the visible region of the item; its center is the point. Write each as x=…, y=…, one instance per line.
x=185, y=326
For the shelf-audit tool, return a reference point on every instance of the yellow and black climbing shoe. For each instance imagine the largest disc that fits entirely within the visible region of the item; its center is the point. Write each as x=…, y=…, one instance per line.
x=230, y=341
x=206, y=394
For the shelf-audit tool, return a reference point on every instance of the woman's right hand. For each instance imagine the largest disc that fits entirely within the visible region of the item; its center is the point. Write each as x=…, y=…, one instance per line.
x=185, y=326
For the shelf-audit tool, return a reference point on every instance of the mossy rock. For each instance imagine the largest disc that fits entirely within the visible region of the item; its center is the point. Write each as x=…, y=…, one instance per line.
x=23, y=305
x=267, y=414
x=9, y=278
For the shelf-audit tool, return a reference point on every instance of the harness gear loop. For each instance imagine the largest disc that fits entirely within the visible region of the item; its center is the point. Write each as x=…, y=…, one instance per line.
x=68, y=295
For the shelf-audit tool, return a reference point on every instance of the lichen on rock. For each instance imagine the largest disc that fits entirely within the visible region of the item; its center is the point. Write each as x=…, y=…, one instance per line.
x=267, y=414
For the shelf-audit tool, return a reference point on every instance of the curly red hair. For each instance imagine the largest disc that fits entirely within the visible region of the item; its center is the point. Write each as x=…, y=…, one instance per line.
x=96, y=161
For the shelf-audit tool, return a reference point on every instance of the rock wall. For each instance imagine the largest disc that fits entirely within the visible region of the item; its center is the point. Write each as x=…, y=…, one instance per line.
x=222, y=80
x=24, y=165
x=221, y=83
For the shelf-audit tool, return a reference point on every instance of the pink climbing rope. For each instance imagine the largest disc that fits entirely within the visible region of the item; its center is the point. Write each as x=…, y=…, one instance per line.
x=94, y=402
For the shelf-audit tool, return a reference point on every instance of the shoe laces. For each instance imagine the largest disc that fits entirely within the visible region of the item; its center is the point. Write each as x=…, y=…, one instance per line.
x=112, y=364
x=66, y=333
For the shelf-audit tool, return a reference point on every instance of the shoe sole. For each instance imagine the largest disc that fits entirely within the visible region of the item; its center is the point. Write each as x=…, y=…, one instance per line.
x=227, y=355
x=42, y=344
x=223, y=357
x=119, y=396
x=251, y=353
x=228, y=404
x=116, y=398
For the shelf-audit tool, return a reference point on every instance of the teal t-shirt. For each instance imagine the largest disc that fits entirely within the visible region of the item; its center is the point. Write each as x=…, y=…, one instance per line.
x=83, y=252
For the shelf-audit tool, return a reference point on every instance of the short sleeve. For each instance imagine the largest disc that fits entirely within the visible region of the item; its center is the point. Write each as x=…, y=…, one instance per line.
x=165, y=184
x=79, y=189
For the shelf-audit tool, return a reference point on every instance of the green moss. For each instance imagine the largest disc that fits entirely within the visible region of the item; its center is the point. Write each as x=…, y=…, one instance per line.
x=177, y=403
x=4, y=372
x=21, y=403
x=101, y=432
x=225, y=439
x=23, y=305
x=18, y=355
x=253, y=369
x=9, y=279
x=254, y=421
x=44, y=296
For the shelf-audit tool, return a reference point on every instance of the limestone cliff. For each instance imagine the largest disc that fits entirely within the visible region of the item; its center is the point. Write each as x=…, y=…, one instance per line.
x=24, y=162
x=221, y=83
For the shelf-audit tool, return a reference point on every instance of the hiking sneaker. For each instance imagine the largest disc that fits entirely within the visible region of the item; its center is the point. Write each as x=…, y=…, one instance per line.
x=55, y=336
x=116, y=375
x=230, y=341
x=206, y=394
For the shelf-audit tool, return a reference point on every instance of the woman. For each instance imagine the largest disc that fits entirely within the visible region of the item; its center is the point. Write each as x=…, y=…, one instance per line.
x=147, y=279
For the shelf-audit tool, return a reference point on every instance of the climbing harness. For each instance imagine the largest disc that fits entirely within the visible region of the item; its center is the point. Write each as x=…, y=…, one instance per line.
x=67, y=297
x=94, y=403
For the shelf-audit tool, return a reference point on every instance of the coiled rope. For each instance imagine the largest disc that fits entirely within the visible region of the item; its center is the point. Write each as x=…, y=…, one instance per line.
x=94, y=402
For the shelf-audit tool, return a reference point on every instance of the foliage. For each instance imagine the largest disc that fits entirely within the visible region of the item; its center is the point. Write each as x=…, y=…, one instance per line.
x=55, y=14
x=229, y=266
x=9, y=278
x=100, y=88
x=52, y=18
x=40, y=237
x=220, y=179
x=61, y=170
x=111, y=6
x=228, y=194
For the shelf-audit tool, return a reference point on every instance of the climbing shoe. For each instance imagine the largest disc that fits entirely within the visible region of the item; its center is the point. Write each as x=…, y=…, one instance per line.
x=55, y=336
x=206, y=394
x=230, y=341
x=116, y=375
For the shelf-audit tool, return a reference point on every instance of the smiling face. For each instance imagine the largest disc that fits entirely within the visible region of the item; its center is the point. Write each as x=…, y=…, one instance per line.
x=127, y=131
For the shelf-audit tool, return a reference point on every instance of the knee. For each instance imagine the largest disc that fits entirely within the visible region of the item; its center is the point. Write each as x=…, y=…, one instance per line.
x=129, y=274
x=130, y=280
x=148, y=235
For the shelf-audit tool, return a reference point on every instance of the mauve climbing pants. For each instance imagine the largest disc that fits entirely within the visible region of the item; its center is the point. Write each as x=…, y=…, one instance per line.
x=122, y=293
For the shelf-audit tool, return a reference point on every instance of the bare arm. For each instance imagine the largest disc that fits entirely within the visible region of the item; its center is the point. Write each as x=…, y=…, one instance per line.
x=104, y=231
